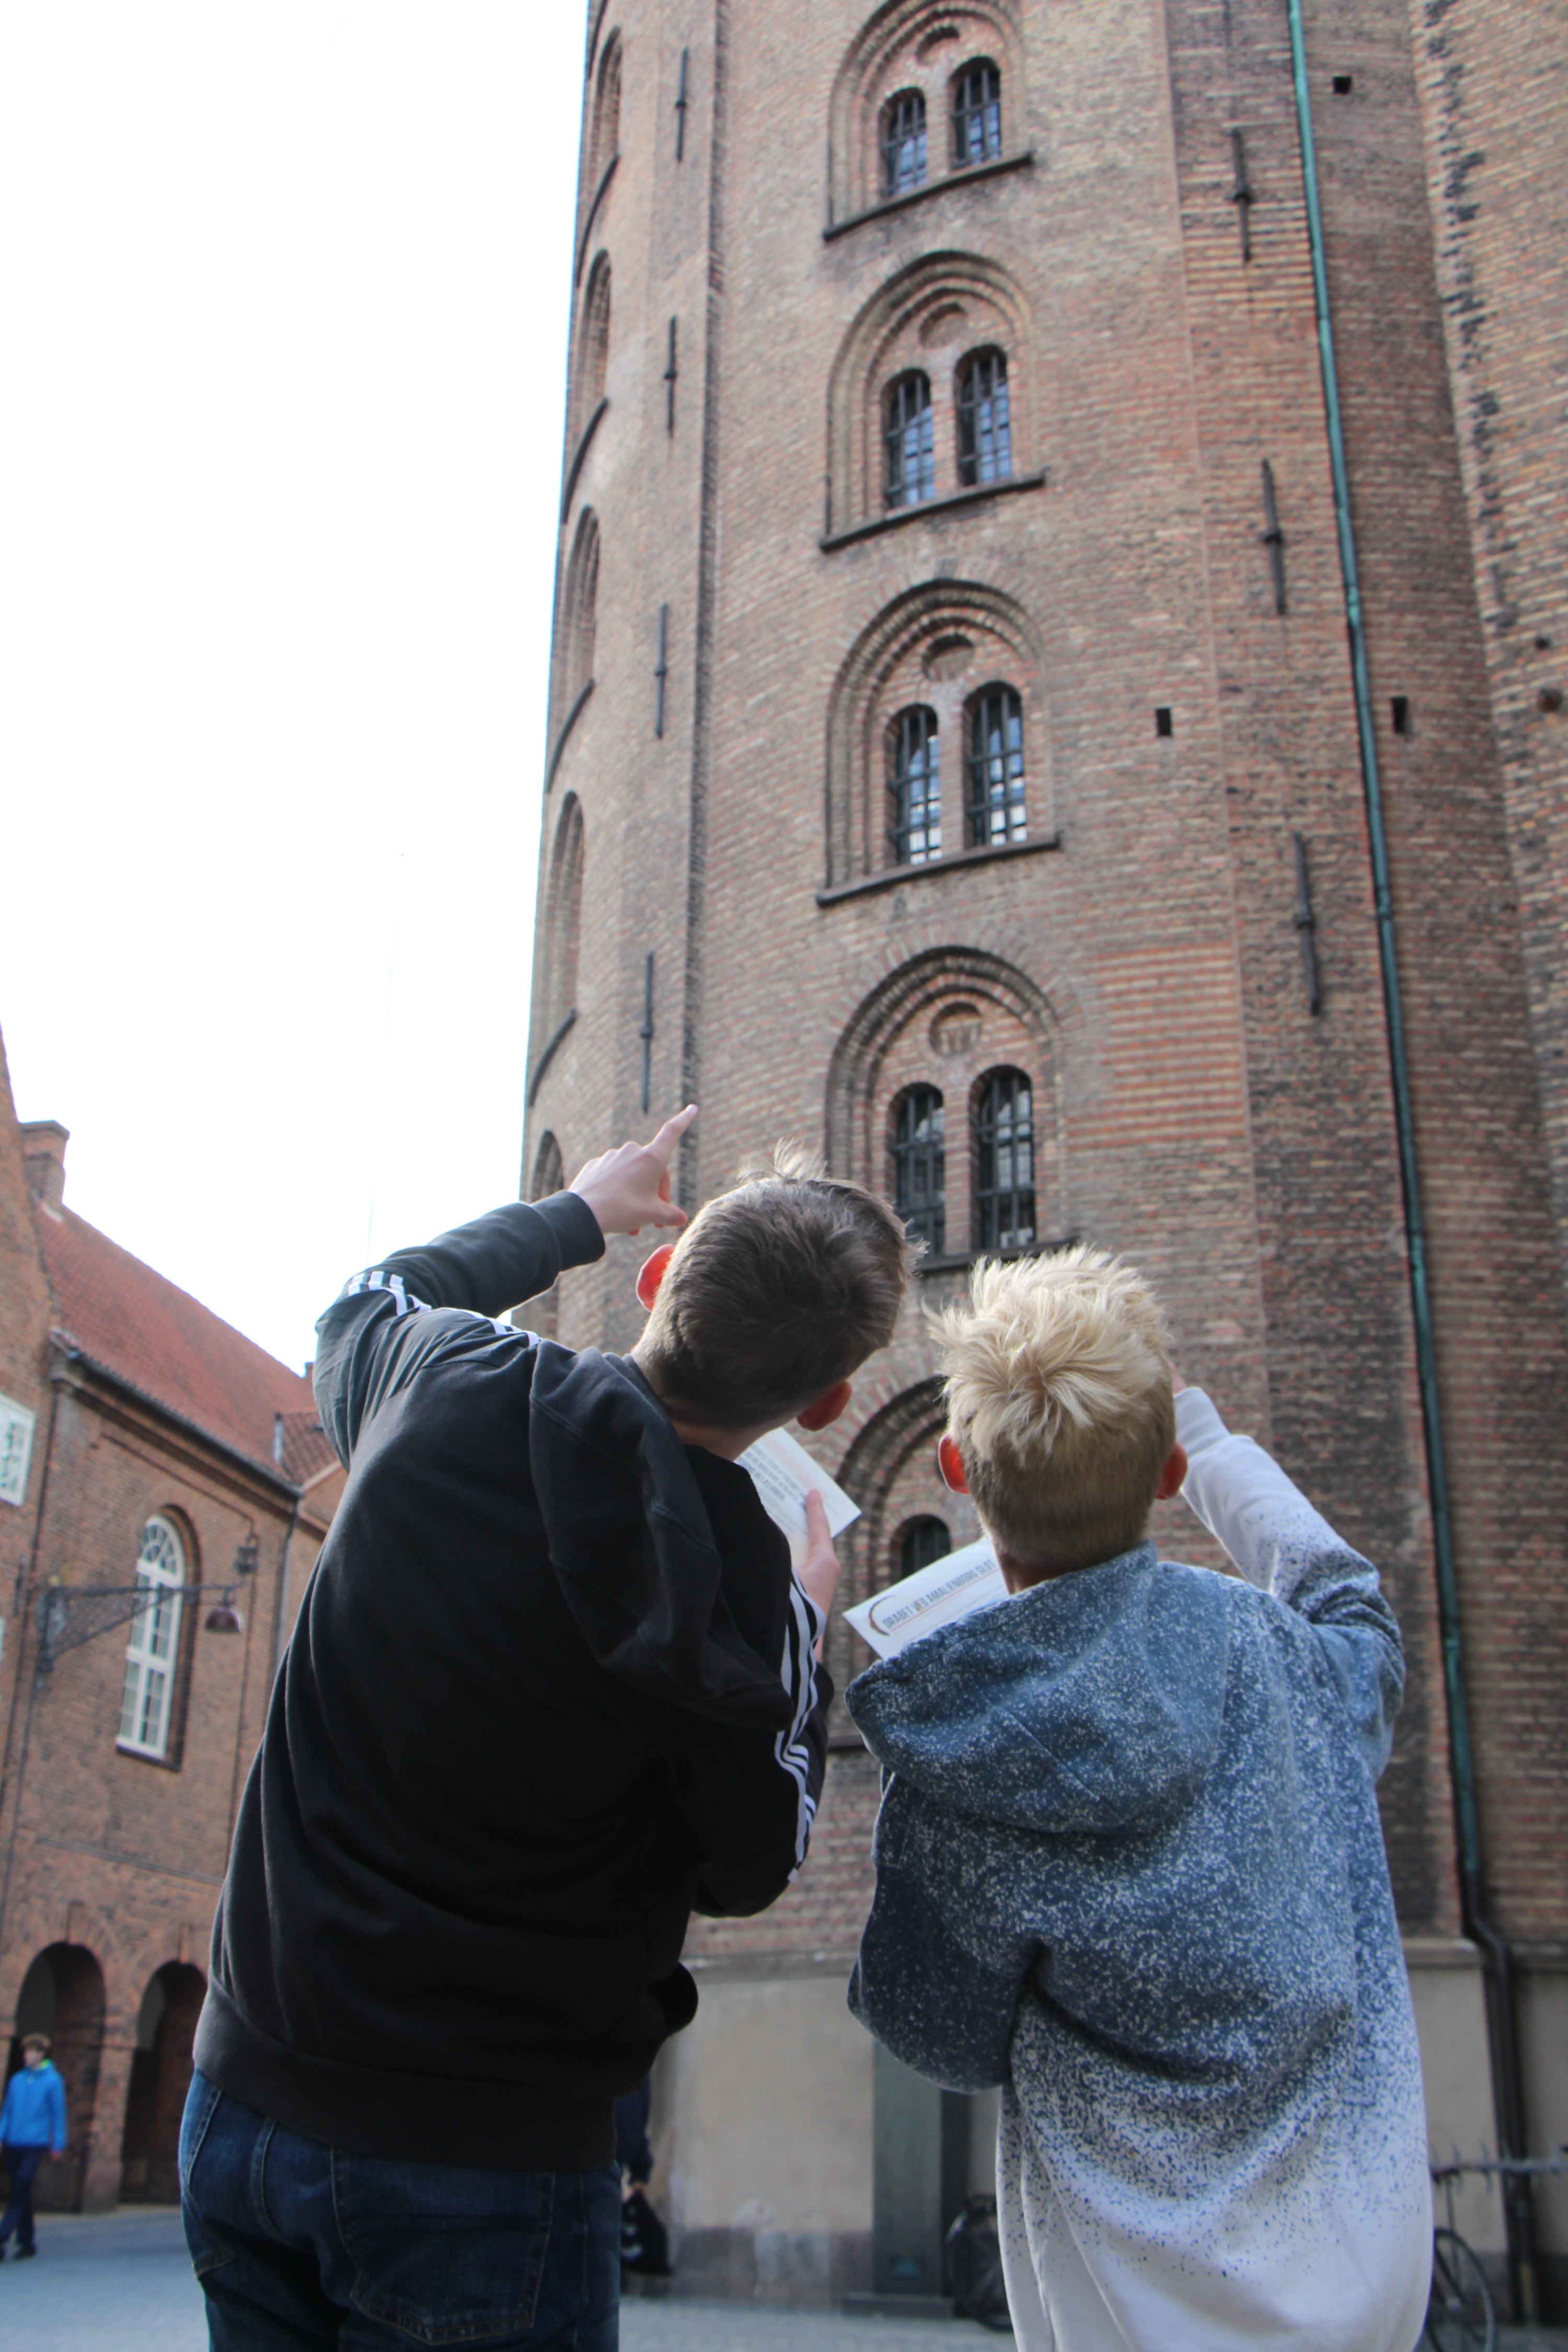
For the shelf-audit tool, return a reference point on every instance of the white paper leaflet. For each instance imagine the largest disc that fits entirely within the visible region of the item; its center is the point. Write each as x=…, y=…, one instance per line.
x=784, y=1474
x=949, y=1588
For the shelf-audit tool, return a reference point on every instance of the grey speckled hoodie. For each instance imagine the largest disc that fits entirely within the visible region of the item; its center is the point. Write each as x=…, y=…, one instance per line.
x=1130, y=1866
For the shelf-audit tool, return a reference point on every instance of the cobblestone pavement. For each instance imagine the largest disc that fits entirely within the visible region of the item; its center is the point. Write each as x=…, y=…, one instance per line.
x=121, y=2282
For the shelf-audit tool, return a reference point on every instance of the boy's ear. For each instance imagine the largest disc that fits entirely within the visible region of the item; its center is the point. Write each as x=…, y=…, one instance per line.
x=650, y=1273
x=1173, y=1477
x=828, y=1408
x=950, y=1462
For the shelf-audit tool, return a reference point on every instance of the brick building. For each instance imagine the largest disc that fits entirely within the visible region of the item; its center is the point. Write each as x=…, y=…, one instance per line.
x=148, y=1450
x=954, y=760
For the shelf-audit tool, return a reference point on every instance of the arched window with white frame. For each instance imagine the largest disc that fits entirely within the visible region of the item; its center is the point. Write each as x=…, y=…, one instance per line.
x=152, y=1654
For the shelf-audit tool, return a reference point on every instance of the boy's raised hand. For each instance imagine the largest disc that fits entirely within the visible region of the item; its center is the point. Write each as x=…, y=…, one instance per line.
x=629, y=1187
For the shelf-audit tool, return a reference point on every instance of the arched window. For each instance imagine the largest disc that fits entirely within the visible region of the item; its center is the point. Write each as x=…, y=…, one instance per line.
x=152, y=1651
x=906, y=437
x=1004, y=1162
x=904, y=144
x=919, y=1165
x=984, y=421
x=996, y=808
x=919, y=1543
x=548, y=1170
x=579, y=615
x=914, y=787
x=594, y=351
x=605, y=139
x=976, y=114
x=563, y=920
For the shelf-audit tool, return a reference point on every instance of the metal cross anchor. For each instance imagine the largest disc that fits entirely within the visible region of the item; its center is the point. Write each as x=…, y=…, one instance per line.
x=680, y=102
x=646, y=1031
x=671, y=373
x=1242, y=196
x=1306, y=927
x=1274, y=538
x=661, y=671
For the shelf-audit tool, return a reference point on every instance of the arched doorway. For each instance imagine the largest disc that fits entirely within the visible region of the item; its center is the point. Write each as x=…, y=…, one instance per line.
x=62, y=1996
x=159, y=2077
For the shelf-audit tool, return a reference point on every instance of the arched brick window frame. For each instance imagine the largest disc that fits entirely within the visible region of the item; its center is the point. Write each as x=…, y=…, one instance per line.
x=576, y=628
x=910, y=45
x=603, y=143
x=563, y=924
x=592, y=359
x=934, y=647
x=944, y=1019
x=929, y=318
x=890, y=1469
x=155, y=1676
x=543, y=1314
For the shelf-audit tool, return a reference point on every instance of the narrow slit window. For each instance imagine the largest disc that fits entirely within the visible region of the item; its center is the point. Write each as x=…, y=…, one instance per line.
x=976, y=114
x=914, y=788
x=904, y=144
x=1399, y=710
x=920, y=1166
x=1163, y=722
x=985, y=420
x=997, y=813
x=908, y=440
x=152, y=1654
x=1004, y=1162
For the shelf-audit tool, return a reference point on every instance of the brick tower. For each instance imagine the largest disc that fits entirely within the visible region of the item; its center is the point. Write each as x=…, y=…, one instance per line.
x=954, y=760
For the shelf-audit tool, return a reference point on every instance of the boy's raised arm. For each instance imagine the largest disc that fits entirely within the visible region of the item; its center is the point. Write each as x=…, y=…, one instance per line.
x=1282, y=1545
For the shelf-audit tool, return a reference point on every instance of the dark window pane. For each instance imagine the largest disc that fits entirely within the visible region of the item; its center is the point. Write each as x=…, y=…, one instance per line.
x=984, y=424
x=977, y=113
x=914, y=789
x=996, y=809
x=922, y=1541
x=906, y=437
x=904, y=144
x=920, y=1166
x=1003, y=1163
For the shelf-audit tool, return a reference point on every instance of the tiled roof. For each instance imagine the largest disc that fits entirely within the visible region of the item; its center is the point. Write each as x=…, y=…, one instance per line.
x=164, y=1342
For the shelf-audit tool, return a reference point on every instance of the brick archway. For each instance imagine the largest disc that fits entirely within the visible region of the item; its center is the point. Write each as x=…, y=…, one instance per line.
x=160, y=2078
x=62, y=1995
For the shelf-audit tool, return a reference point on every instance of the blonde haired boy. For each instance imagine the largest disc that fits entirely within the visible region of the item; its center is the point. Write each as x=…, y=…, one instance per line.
x=1129, y=1860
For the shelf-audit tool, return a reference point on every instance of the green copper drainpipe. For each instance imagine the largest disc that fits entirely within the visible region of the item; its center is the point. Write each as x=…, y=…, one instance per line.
x=1507, y=2088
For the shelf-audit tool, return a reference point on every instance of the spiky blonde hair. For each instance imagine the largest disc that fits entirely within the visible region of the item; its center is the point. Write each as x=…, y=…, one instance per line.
x=1059, y=1398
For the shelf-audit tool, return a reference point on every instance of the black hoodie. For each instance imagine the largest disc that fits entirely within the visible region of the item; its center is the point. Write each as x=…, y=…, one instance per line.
x=551, y=1685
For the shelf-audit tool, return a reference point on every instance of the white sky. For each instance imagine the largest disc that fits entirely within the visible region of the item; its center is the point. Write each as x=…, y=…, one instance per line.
x=285, y=289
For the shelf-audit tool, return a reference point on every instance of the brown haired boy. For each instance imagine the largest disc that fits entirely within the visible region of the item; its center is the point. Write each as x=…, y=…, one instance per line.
x=553, y=1685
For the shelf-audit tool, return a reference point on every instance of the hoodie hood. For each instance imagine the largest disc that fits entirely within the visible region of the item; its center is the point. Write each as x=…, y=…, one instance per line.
x=1082, y=1704
x=631, y=1544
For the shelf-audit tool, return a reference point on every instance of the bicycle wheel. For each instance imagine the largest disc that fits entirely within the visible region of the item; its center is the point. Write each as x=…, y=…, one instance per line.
x=1460, y=2313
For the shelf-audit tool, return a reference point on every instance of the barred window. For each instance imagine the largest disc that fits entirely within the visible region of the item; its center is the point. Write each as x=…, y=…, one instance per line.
x=594, y=350
x=923, y=1542
x=996, y=808
x=976, y=113
x=578, y=631
x=985, y=423
x=907, y=436
x=919, y=1165
x=1004, y=1162
x=904, y=144
x=604, y=138
x=914, y=787
x=548, y=1170
x=152, y=1651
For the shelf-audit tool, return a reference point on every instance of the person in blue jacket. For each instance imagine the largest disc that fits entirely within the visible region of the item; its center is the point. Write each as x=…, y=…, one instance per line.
x=32, y=2124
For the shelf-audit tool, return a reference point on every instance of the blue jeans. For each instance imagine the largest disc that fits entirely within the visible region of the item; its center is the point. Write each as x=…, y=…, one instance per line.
x=297, y=2245
x=24, y=2163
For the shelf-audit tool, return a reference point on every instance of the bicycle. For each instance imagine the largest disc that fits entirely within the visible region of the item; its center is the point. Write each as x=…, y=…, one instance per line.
x=1461, y=2316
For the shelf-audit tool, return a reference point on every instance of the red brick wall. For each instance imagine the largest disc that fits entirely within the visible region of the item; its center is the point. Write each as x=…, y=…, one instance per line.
x=1202, y=1119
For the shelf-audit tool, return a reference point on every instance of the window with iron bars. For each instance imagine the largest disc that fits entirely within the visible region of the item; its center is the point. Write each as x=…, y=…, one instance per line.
x=908, y=437
x=985, y=420
x=920, y=1166
x=921, y=1544
x=1004, y=1162
x=976, y=114
x=904, y=144
x=997, y=807
x=914, y=788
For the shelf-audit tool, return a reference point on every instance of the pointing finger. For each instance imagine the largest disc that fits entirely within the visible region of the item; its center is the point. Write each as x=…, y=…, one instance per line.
x=670, y=1133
